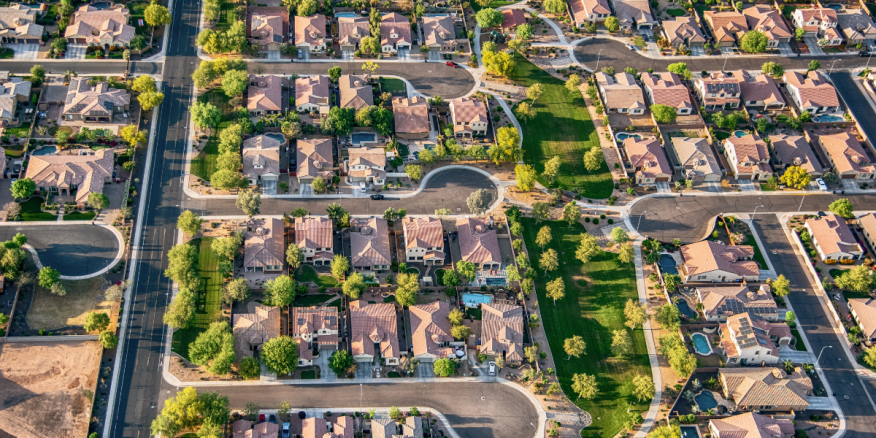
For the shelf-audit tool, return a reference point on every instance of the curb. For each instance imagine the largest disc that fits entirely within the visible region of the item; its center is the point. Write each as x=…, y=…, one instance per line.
x=106, y=269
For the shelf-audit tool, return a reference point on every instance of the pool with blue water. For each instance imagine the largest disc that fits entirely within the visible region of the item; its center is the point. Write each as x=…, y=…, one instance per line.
x=740, y=133
x=690, y=432
x=685, y=309
x=701, y=344
x=667, y=264
x=621, y=136
x=46, y=150
x=823, y=118
x=705, y=400
x=363, y=137
x=473, y=300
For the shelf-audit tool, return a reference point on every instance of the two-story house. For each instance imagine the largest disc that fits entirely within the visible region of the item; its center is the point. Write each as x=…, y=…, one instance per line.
x=720, y=90
x=395, y=34
x=374, y=332
x=727, y=27
x=369, y=244
x=585, y=12
x=104, y=27
x=857, y=27
x=847, y=156
x=18, y=24
x=315, y=160
x=469, y=116
x=263, y=251
x=752, y=339
x=769, y=21
x=310, y=33
x=312, y=95
x=268, y=28
x=367, y=165
x=502, y=332
x=867, y=225
x=667, y=89
x=833, y=239
x=715, y=262
x=749, y=157
x=439, y=34
x=261, y=159
x=621, y=93
x=13, y=91
x=760, y=91
x=315, y=329
x=424, y=240
x=647, y=160
x=818, y=23
x=812, y=92
x=794, y=150
x=351, y=30
x=314, y=236
x=634, y=14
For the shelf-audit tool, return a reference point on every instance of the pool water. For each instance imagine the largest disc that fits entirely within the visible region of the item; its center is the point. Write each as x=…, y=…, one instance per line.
x=685, y=309
x=739, y=133
x=667, y=264
x=689, y=432
x=621, y=136
x=705, y=400
x=363, y=137
x=822, y=118
x=46, y=150
x=835, y=7
x=495, y=281
x=701, y=344
x=472, y=300
x=346, y=14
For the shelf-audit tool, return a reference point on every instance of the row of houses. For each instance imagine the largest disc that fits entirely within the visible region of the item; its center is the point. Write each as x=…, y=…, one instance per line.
x=106, y=27
x=343, y=426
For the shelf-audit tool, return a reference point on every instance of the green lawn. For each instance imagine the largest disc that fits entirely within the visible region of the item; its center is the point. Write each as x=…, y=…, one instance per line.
x=439, y=275
x=639, y=42
x=393, y=374
x=847, y=294
x=209, y=296
x=676, y=12
x=308, y=374
x=22, y=131
x=80, y=216
x=394, y=86
x=6, y=54
x=788, y=11
x=311, y=300
x=721, y=135
x=227, y=17
x=799, y=345
x=561, y=126
x=204, y=164
x=592, y=312
x=307, y=274
x=493, y=5
x=758, y=255
x=182, y=338
x=30, y=211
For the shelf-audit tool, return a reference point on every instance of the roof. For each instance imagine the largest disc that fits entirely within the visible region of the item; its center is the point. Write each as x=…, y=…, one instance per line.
x=813, y=88
x=352, y=29
x=467, y=110
x=683, y=30
x=394, y=24
x=411, y=115
x=856, y=24
x=707, y=256
x=647, y=155
x=246, y=429
x=438, y=30
x=265, y=93
x=261, y=155
x=667, y=89
x=502, y=330
x=373, y=324
x=430, y=328
x=751, y=425
x=313, y=232
x=309, y=320
x=310, y=30
x=344, y=427
x=19, y=20
x=412, y=427
x=727, y=25
x=794, y=150
x=365, y=156
x=760, y=88
x=423, y=232
x=255, y=328
x=744, y=330
x=356, y=91
x=98, y=100
x=264, y=246
x=512, y=18
x=822, y=15
x=720, y=82
x=622, y=91
x=87, y=172
x=97, y=25
x=767, y=20
x=312, y=89
x=370, y=245
x=268, y=27
x=581, y=9
x=735, y=299
x=833, y=235
x=383, y=428
x=478, y=242
x=847, y=153
x=10, y=92
x=865, y=309
x=629, y=11
x=315, y=157
x=868, y=223
x=695, y=152
x=768, y=386
x=748, y=148
x=313, y=427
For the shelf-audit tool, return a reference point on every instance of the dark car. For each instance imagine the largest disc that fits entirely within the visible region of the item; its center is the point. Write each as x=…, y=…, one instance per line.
x=272, y=419
x=451, y=64
x=863, y=53
x=377, y=197
x=261, y=418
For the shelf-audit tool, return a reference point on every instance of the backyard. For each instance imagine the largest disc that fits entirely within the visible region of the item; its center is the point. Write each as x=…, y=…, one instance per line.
x=562, y=127
x=306, y=274
x=51, y=312
x=592, y=312
x=207, y=298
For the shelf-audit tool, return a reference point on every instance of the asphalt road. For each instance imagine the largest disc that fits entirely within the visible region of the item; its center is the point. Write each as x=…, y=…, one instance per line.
x=856, y=100
x=84, y=67
x=71, y=249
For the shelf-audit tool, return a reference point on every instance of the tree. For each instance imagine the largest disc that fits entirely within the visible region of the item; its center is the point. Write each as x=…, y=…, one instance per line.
x=498, y=63
x=407, y=288
x=668, y=316
x=507, y=149
x=133, y=136
x=467, y=269
x=205, y=115
x=627, y=253
x=96, y=322
x=574, y=346
x=144, y=84
x=150, y=100
x=340, y=266
x=460, y=332
x=858, y=279
x=280, y=291
x=455, y=316
x=535, y=90
x=552, y=168
x=280, y=354
x=556, y=290
x=98, y=201
x=341, y=120
x=612, y=24
x=555, y=6
x=23, y=188
x=181, y=311
x=204, y=75
x=543, y=238
x=585, y=386
x=354, y=285
x=588, y=248
x=870, y=357
x=189, y=223
x=319, y=184
x=414, y=172
x=842, y=207
x=182, y=266
x=664, y=114
x=188, y=410
x=444, y=367
x=340, y=361
x=814, y=65
x=48, y=276
x=37, y=75
x=526, y=177
x=524, y=112
x=753, y=41
x=235, y=290
x=479, y=201
x=781, y=286
x=573, y=83
x=108, y=339
x=799, y=33
x=249, y=202
x=619, y=236
x=294, y=256
x=214, y=348
x=773, y=69
x=156, y=15
x=19, y=239
x=226, y=179
x=643, y=387
x=621, y=345
x=635, y=313
x=531, y=353
x=307, y=8
x=488, y=17
x=593, y=159
x=572, y=213
x=234, y=82
x=796, y=177
x=549, y=261
x=680, y=68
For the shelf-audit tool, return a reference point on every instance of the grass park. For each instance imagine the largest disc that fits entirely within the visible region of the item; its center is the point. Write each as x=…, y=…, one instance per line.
x=208, y=297
x=592, y=308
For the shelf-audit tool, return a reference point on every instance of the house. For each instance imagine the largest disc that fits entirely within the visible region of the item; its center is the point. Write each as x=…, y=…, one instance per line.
x=12, y=92
x=314, y=236
x=727, y=27
x=634, y=13
x=647, y=160
x=621, y=95
x=412, y=427
x=268, y=28
x=720, y=90
x=369, y=245
x=351, y=31
x=867, y=224
x=696, y=160
x=818, y=23
x=96, y=103
x=100, y=27
x=760, y=91
x=312, y=95
x=246, y=429
x=355, y=91
x=589, y=11
x=439, y=34
x=18, y=25
x=748, y=338
x=430, y=332
x=395, y=33
x=683, y=30
x=315, y=329
x=424, y=240
x=383, y=428
x=667, y=89
x=857, y=27
x=751, y=425
x=847, y=156
x=72, y=175
x=366, y=165
x=316, y=427
x=766, y=389
x=478, y=243
x=411, y=117
x=310, y=33
x=469, y=116
x=794, y=150
x=748, y=156
x=264, y=95
x=812, y=92
x=770, y=22
x=511, y=19
x=864, y=312
x=715, y=262
x=374, y=332
x=252, y=330
x=264, y=249
x=315, y=160
x=833, y=239
x=502, y=332
x=721, y=302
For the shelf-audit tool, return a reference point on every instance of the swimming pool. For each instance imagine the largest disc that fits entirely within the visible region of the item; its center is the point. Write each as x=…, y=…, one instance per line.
x=346, y=14
x=667, y=264
x=705, y=400
x=495, y=281
x=701, y=344
x=822, y=118
x=46, y=150
x=472, y=300
x=835, y=7
x=275, y=136
x=740, y=133
x=690, y=432
x=363, y=137
x=621, y=136
x=685, y=309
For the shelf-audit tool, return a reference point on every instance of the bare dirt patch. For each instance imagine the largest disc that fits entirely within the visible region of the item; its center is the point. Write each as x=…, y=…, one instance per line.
x=43, y=387
x=51, y=312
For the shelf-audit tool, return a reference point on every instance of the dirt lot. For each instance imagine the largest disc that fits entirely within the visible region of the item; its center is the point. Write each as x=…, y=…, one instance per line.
x=51, y=312
x=42, y=386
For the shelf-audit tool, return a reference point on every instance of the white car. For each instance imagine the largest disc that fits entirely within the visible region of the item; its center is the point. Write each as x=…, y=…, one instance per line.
x=492, y=368
x=629, y=47
x=821, y=184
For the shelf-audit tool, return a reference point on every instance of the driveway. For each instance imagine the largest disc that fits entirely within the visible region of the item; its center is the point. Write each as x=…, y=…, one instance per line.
x=273, y=55
x=347, y=55
x=71, y=249
x=269, y=187
x=404, y=53
x=363, y=370
x=75, y=51
x=23, y=51
x=812, y=44
x=425, y=369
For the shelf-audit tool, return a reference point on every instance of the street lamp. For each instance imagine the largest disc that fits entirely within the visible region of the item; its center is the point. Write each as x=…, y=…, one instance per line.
x=801, y=202
x=822, y=351
x=755, y=212
x=831, y=67
x=640, y=220
x=868, y=61
x=598, y=55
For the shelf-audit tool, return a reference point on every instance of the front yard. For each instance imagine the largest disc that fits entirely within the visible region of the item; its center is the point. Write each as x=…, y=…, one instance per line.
x=208, y=298
x=52, y=312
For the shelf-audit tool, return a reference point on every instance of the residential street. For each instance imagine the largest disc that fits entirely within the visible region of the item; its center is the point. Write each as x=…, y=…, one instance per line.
x=71, y=249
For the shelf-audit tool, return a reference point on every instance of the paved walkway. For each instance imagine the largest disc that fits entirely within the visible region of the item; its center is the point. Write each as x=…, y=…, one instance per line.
x=651, y=415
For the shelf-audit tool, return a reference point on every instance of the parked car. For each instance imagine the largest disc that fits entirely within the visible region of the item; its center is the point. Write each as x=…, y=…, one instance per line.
x=630, y=47
x=863, y=53
x=492, y=368
x=300, y=54
x=272, y=419
x=261, y=418
x=821, y=184
x=285, y=430
x=376, y=197
x=451, y=64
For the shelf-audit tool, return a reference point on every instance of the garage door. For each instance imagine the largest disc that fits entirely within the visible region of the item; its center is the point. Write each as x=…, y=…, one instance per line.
x=848, y=176
x=744, y=177
x=662, y=179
